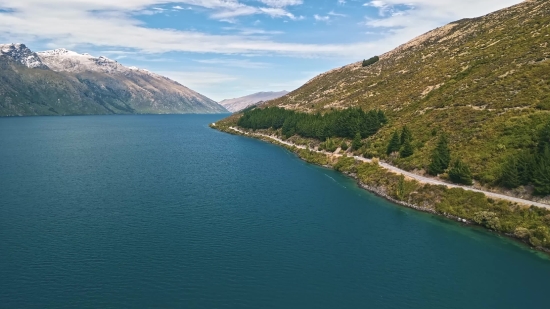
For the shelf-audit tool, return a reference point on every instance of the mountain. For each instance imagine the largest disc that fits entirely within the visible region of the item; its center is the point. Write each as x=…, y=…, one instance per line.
x=238, y=104
x=62, y=82
x=482, y=82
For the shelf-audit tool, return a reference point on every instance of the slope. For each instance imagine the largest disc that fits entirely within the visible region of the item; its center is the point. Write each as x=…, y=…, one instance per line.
x=62, y=82
x=238, y=104
x=484, y=82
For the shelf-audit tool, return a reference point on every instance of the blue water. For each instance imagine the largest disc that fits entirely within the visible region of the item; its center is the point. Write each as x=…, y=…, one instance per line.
x=164, y=212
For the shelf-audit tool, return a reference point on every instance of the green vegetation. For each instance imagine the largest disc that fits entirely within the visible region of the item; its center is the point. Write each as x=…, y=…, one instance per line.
x=401, y=143
x=483, y=82
x=460, y=173
x=531, y=166
x=394, y=144
x=441, y=157
x=370, y=61
x=476, y=90
x=344, y=146
x=346, y=123
x=407, y=149
x=356, y=143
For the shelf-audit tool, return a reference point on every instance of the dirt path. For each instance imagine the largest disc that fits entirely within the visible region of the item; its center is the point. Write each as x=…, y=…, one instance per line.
x=396, y=170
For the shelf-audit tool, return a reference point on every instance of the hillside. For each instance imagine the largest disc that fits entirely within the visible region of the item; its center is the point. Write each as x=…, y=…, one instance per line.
x=238, y=104
x=483, y=82
x=62, y=82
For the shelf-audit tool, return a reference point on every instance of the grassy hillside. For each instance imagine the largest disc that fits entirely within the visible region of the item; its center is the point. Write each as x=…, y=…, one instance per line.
x=483, y=82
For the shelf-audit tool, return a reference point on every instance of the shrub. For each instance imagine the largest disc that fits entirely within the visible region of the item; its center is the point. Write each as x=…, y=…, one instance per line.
x=522, y=233
x=460, y=173
x=370, y=61
x=344, y=146
x=487, y=219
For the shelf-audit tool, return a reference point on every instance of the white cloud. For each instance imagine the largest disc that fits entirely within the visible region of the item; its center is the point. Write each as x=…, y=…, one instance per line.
x=332, y=13
x=179, y=7
x=235, y=63
x=107, y=23
x=113, y=24
x=281, y=3
x=321, y=18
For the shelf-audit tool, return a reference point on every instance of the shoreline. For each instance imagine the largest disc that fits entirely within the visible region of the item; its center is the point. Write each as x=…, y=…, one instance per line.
x=382, y=191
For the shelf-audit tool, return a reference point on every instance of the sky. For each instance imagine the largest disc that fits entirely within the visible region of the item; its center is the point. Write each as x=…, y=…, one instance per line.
x=231, y=48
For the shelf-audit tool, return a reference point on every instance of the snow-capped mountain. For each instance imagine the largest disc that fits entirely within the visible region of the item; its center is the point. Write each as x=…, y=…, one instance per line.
x=237, y=104
x=69, y=61
x=20, y=53
x=73, y=83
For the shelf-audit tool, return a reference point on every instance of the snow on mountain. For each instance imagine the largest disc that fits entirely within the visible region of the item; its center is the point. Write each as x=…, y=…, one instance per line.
x=20, y=53
x=63, y=60
x=84, y=84
x=237, y=104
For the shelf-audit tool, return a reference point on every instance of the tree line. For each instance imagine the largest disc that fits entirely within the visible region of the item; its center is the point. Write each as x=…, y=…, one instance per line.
x=530, y=167
x=348, y=123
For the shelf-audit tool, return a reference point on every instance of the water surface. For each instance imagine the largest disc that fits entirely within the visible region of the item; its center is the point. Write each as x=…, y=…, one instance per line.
x=164, y=212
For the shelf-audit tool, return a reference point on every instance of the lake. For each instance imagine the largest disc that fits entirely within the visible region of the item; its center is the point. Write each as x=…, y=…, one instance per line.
x=163, y=212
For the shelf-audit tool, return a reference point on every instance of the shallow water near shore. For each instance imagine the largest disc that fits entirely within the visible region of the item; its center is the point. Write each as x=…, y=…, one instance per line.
x=162, y=211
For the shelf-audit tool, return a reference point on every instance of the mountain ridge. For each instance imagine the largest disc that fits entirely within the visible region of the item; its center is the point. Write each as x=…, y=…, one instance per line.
x=474, y=79
x=63, y=82
x=482, y=82
x=238, y=104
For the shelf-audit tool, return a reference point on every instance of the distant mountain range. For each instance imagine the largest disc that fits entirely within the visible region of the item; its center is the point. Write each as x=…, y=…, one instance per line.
x=237, y=104
x=62, y=82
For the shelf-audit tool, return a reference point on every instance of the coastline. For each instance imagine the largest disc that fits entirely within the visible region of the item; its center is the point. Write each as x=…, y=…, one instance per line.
x=382, y=190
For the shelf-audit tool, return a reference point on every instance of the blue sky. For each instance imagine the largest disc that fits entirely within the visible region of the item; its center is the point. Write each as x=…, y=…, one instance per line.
x=230, y=48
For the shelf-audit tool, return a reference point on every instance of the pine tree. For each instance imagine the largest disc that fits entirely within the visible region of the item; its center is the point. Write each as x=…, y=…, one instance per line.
x=344, y=146
x=441, y=157
x=405, y=134
x=544, y=138
x=394, y=144
x=436, y=166
x=541, y=175
x=460, y=173
x=382, y=119
x=444, y=152
x=407, y=149
x=510, y=175
x=356, y=144
x=526, y=165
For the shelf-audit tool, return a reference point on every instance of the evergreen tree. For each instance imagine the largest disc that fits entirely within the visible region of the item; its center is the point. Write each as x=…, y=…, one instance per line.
x=436, y=166
x=407, y=149
x=526, y=165
x=444, y=152
x=541, y=175
x=460, y=173
x=356, y=144
x=405, y=134
x=510, y=175
x=382, y=119
x=394, y=144
x=441, y=157
x=344, y=146
x=544, y=138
